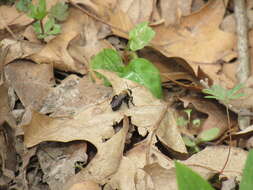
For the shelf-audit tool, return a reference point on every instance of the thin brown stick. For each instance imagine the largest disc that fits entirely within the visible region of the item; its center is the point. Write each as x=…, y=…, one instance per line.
x=7, y=27
x=230, y=141
x=97, y=18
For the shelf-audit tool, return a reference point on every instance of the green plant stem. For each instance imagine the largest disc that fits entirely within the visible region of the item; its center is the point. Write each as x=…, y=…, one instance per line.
x=230, y=139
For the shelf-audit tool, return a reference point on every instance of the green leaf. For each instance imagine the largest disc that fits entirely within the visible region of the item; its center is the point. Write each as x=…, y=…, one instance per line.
x=196, y=122
x=189, y=142
x=140, y=36
x=108, y=59
x=188, y=112
x=23, y=5
x=37, y=28
x=247, y=178
x=209, y=135
x=182, y=121
x=38, y=12
x=59, y=11
x=51, y=28
x=145, y=73
x=190, y=180
x=220, y=93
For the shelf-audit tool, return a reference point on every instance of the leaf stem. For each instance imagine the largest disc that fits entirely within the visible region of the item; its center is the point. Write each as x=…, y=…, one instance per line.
x=230, y=140
x=42, y=27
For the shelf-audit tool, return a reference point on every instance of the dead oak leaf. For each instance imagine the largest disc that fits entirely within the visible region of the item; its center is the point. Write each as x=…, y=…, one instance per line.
x=199, y=38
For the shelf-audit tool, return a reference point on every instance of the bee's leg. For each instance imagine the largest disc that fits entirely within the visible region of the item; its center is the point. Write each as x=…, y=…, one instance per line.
x=126, y=100
x=131, y=100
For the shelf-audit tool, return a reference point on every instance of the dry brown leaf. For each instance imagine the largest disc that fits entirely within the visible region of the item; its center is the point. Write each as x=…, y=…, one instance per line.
x=58, y=161
x=162, y=178
x=18, y=49
x=4, y=104
x=106, y=161
x=171, y=11
x=197, y=4
x=170, y=68
x=10, y=17
x=198, y=40
x=72, y=94
x=146, y=108
x=206, y=162
x=131, y=166
x=86, y=185
x=94, y=122
x=30, y=81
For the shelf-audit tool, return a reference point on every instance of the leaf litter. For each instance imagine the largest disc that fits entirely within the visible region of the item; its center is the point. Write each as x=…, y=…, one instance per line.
x=61, y=124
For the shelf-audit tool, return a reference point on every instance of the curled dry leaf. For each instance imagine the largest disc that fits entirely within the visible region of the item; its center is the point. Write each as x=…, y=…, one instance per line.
x=205, y=162
x=131, y=174
x=106, y=161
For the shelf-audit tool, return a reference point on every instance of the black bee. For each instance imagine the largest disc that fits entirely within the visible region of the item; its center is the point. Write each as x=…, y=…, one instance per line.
x=124, y=96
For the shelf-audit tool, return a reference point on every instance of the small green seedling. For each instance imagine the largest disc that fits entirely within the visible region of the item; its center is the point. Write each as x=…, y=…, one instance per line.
x=138, y=69
x=39, y=12
x=219, y=93
x=181, y=121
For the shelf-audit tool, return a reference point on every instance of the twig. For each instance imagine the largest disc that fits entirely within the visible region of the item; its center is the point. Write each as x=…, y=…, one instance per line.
x=97, y=18
x=7, y=27
x=230, y=141
x=243, y=70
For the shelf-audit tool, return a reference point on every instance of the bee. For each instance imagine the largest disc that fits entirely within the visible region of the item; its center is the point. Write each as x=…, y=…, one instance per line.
x=124, y=96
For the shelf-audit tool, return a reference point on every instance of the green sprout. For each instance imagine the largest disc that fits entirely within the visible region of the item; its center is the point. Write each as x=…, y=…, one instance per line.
x=39, y=12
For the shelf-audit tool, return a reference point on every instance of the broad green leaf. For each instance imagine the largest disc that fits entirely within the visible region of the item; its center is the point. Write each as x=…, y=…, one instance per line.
x=209, y=135
x=107, y=59
x=38, y=12
x=247, y=178
x=59, y=11
x=23, y=5
x=187, y=179
x=145, y=73
x=140, y=36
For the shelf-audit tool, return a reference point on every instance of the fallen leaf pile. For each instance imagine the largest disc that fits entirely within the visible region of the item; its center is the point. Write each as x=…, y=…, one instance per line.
x=57, y=128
